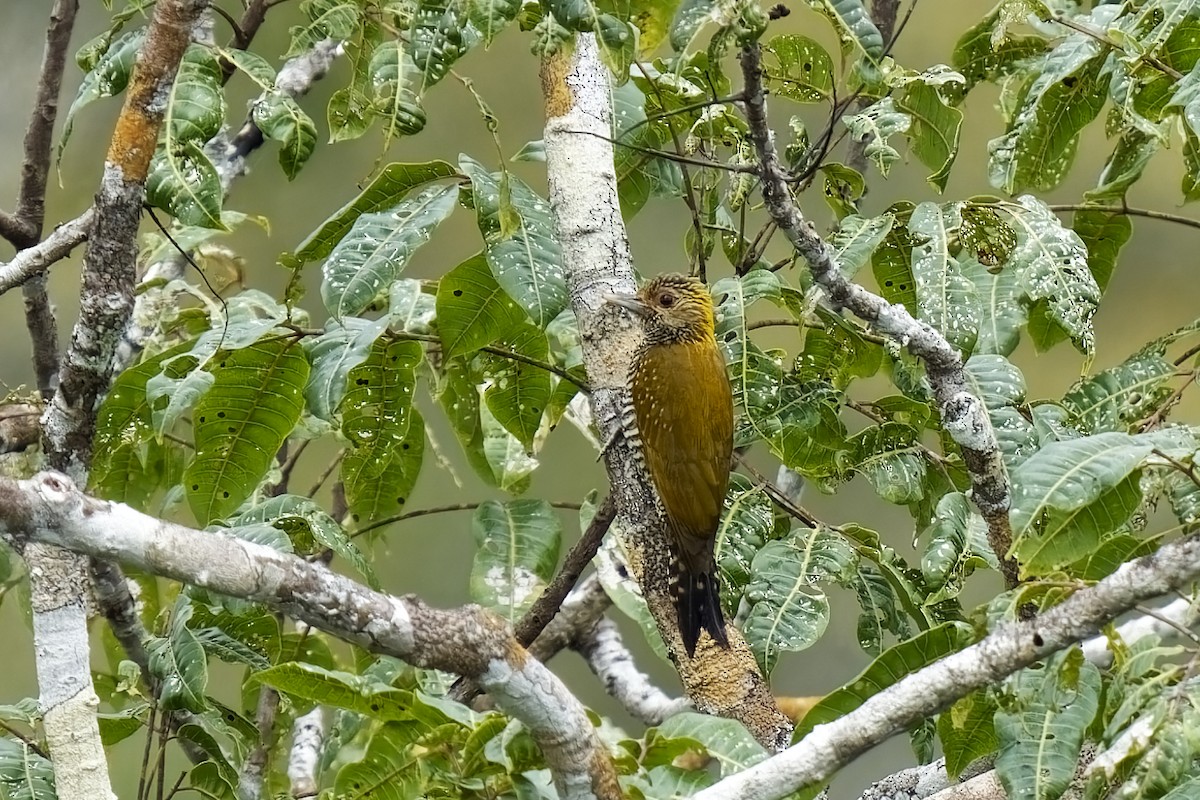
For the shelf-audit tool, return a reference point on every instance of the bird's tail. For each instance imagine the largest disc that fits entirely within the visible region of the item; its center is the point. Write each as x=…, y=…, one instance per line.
x=698, y=603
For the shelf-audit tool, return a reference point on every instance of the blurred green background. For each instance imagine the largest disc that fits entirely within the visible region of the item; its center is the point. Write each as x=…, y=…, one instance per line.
x=1151, y=292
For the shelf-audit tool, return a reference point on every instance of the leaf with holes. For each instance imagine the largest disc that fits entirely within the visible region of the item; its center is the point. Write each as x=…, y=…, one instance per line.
x=946, y=299
x=107, y=77
x=873, y=127
x=129, y=463
x=310, y=529
x=526, y=259
x=798, y=68
x=1069, y=475
x=344, y=345
x=386, y=433
x=1118, y=399
x=788, y=609
x=934, y=130
x=1065, y=95
x=853, y=24
x=389, y=188
x=373, y=254
x=1044, y=714
x=255, y=401
x=517, y=393
x=472, y=310
x=324, y=19
x=1052, y=263
x=747, y=523
x=516, y=550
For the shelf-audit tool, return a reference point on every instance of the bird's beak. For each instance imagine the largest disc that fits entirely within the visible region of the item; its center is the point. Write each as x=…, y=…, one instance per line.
x=628, y=302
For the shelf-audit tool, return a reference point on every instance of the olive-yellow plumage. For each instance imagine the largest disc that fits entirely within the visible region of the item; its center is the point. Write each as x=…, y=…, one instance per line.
x=682, y=420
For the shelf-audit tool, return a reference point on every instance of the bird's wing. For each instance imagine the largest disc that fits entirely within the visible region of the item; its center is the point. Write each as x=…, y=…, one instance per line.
x=684, y=410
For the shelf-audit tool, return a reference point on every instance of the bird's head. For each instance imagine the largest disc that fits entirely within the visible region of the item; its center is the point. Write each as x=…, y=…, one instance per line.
x=674, y=308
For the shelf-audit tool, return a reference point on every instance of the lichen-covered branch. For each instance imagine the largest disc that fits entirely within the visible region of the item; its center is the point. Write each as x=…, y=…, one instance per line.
x=50, y=510
x=587, y=214
x=33, y=261
x=612, y=663
x=31, y=192
x=1011, y=647
x=963, y=415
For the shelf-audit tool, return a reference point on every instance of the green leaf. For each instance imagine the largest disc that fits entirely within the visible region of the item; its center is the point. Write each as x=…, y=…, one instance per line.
x=410, y=308
x=873, y=127
x=1124, y=167
x=393, y=73
x=1069, y=536
x=302, y=518
x=128, y=463
x=180, y=664
x=788, y=610
x=946, y=298
x=491, y=16
x=1065, y=95
x=390, y=769
x=892, y=460
x=896, y=662
x=933, y=131
x=519, y=392
x=389, y=188
x=1118, y=398
x=363, y=265
x=325, y=19
x=437, y=37
x=1044, y=713
x=362, y=695
x=507, y=459
x=240, y=424
x=726, y=740
x=1003, y=309
x=520, y=244
x=1053, y=268
x=1069, y=475
x=952, y=553
x=24, y=774
x=107, y=77
x=690, y=17
x=986, y=52
x=1103, y=232
x=798, y=68
x=516, y=551
x=386, y=433
x=472, y=310
x=747, y=523
x=281, y=119
x=183, y=182
x=344, y=345
x=853, y=24
x=967, y=731
x=891, y=262
x=856, y=239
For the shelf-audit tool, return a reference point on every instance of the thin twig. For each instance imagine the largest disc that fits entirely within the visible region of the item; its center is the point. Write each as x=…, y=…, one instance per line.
x=28, y=741
x=1130, y=211
x=535, y=620
x=324, y=476
x=689, y=194
x=1107, y=41
x=425, y=512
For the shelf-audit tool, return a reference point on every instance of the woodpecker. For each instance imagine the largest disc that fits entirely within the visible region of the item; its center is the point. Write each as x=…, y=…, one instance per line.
x=680, y=421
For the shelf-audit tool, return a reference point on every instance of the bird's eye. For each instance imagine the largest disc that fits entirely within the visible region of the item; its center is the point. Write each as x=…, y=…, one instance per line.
x=666, y=300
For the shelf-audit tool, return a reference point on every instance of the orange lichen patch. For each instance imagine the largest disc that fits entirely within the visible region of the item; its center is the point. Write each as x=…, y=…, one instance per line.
x=558, y=98
x=136, y=132
x=133, y=144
